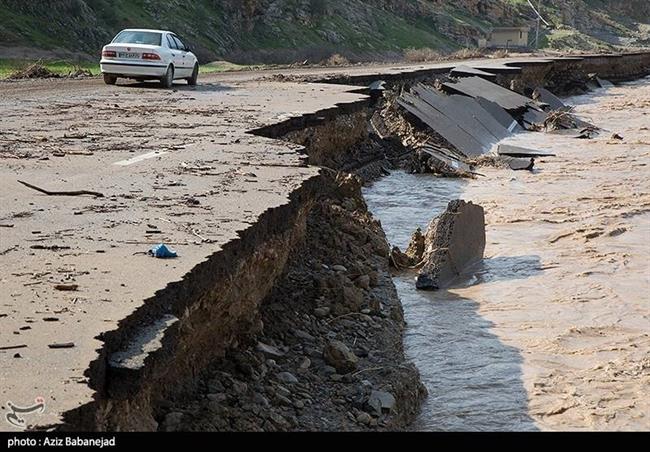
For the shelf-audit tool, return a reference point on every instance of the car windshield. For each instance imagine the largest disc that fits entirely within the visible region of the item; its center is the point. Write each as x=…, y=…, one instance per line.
x=138, y=37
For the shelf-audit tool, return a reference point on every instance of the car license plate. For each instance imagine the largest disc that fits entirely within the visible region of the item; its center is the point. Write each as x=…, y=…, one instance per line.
x=128, y=55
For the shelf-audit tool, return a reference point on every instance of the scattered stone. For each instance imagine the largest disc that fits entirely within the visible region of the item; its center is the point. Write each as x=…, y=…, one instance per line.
x=239, y=387
x=339, y=356
x=305, y=363
x=172, y=422
x=284, y=400
x=363, y=282
x=269, y=350
x=381, y=402
x=219, y=398
x=261, y=400
x=287, y=377
x=364, y=418
x=304, y=335
x=281, y=390
x=339, y=268
x=322, y=312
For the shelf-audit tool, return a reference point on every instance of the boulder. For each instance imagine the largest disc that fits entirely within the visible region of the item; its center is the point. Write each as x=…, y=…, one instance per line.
x=339, y=356
x=381, y=402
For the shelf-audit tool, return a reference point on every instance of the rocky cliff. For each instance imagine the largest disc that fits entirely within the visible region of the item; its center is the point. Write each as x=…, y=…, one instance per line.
x=292, y=30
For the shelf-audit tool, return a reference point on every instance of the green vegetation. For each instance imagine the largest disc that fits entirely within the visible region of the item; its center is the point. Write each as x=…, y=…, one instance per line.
x=8, y=67
x=63, y=68
x=287, y=31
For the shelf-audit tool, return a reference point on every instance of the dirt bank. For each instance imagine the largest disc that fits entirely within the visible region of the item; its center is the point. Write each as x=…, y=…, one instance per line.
x=330, y=346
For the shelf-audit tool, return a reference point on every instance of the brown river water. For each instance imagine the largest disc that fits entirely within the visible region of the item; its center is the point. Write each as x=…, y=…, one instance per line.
x=552, y=330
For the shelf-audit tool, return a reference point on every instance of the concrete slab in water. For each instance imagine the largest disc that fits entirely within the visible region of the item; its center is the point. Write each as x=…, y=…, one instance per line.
x=454, y=241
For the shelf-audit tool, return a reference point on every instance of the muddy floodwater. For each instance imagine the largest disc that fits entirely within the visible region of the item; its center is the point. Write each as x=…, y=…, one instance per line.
x=552, y=330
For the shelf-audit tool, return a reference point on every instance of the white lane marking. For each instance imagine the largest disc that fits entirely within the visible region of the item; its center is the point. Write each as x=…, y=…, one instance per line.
x=139, y=158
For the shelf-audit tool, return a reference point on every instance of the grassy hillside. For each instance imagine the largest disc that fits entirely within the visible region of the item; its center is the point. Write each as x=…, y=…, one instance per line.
x=251, y=31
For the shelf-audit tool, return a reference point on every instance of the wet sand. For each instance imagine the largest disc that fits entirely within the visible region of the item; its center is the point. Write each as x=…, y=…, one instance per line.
x=552, y=332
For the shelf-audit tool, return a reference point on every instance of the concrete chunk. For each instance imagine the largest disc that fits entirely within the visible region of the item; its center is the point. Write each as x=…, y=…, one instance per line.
x=454, y=241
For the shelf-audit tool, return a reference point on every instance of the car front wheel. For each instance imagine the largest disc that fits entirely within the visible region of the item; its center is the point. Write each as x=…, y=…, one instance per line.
x=195, y=76
x=168, y=80
x=110, y=79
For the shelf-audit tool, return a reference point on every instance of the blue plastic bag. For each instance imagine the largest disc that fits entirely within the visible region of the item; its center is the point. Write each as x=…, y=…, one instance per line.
x=162, y=252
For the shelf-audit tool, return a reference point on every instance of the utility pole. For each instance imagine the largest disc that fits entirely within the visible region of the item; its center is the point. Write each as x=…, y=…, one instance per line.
x=539, y=21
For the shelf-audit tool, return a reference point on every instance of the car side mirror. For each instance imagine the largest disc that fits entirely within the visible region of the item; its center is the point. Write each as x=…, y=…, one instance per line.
x=188, y=49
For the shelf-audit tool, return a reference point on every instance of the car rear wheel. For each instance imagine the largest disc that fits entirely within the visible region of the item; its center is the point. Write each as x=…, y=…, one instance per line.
x=168, y=80
x=110, y=79
x=195, y=76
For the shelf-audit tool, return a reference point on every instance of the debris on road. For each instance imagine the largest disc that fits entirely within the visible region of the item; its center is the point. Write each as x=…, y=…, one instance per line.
x=35, y=70
x=63, y=193
x=61, y=345
x=161, y=251
x=516, y=151
x=12, y=347
x=67, y=287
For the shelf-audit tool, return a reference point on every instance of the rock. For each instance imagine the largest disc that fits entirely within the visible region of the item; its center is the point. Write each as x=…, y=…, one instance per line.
x=287, y=377
x=339, y=356
x=239, y=387
x=363, y=282
x=284, y=400
x=260, y=399
x=281, y=390
x=269, y=350
x=299, y=404
x=305, y=363
x=329, y=370
x=381, y=402
x=216, y=386
x=364, y=418
x=322, y=312
x=279, y=421
x=304, y=335
x=353, y=298
x=172, y=422
x=219, y=398
x=454, y=241
x=415, y=250
x=399, y=260
x=339, y=268
x=374, y=278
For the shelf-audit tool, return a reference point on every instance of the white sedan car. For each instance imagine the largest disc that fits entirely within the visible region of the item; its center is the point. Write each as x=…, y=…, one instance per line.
x=148, y=54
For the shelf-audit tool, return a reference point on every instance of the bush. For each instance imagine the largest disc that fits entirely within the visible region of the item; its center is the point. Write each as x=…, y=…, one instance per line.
x=466, y=54
x=501, y=53
x=336, y=60
x=421, y=55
